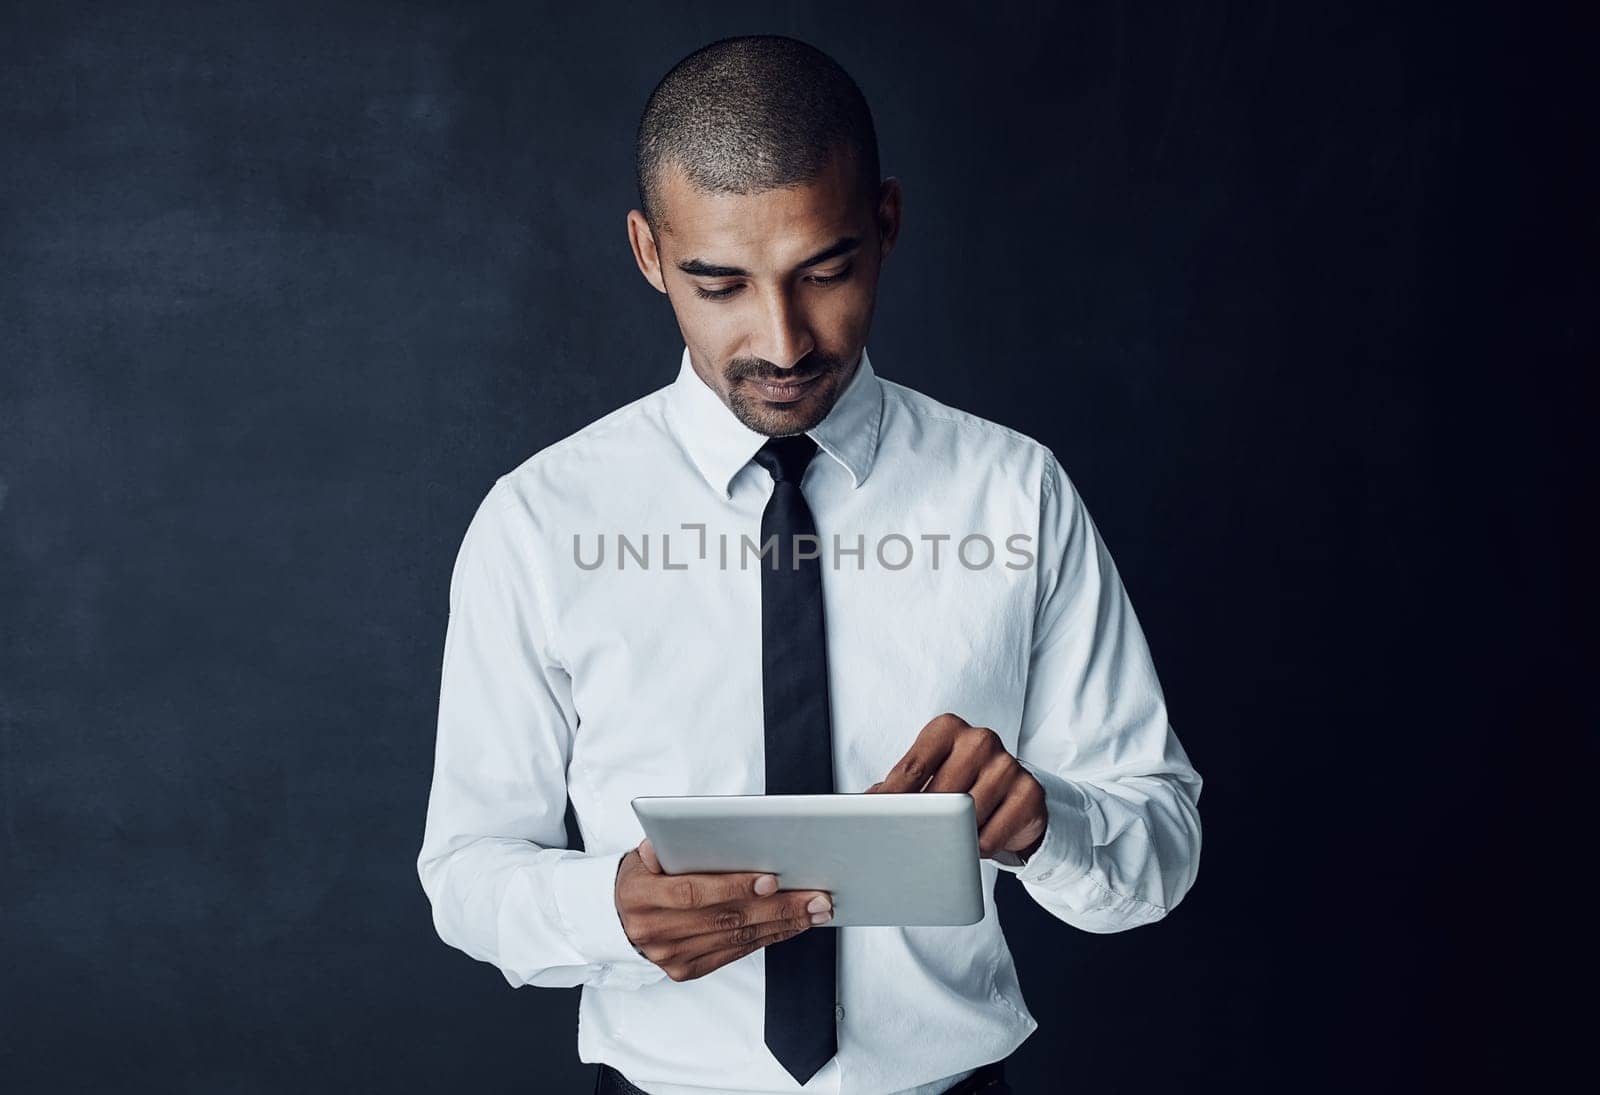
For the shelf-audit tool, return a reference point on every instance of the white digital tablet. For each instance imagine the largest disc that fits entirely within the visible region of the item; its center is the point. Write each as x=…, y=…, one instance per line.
x=887, y=859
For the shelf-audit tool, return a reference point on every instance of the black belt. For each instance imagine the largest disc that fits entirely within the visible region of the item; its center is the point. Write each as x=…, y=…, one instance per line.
x=989, y=1079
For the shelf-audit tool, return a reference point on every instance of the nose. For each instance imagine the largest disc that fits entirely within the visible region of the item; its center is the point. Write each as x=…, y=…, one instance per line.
x=784, y=339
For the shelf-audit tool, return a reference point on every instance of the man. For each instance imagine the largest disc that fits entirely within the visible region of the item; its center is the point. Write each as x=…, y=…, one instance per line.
x=616, y=629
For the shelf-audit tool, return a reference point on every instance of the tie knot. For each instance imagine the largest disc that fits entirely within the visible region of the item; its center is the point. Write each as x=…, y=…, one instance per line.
x=786, y=457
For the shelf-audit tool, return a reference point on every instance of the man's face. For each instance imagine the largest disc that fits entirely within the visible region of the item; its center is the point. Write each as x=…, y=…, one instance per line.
x=774, y=291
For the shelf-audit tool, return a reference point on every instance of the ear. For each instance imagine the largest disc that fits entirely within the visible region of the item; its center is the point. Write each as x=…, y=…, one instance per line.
x=643, y=242
x=888, y=215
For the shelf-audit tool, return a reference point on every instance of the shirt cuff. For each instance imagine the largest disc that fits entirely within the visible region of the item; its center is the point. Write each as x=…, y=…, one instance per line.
x=586, y=898
x=1064, y=854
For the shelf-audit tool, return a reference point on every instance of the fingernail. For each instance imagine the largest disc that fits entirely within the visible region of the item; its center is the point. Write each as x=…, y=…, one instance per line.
x=766, y=884
x=821, y=917
x=819, y=904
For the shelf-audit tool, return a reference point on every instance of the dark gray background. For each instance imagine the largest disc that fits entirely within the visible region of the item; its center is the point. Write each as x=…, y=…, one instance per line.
x=1297, y=293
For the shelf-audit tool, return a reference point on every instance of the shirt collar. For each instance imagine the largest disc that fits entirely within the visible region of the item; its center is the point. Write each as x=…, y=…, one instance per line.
x=720, y=445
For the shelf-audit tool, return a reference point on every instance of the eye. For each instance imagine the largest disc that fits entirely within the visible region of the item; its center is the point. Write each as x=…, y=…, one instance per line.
x=829, y=279
x=715, y=294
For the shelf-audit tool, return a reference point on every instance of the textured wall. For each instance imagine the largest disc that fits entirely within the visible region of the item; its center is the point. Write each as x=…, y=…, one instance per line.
x=284, y=287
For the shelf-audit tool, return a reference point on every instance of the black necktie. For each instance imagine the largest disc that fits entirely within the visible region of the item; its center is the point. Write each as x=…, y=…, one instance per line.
x=801, y=971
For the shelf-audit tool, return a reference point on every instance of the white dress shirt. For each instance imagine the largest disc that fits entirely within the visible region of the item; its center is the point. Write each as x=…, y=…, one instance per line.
x=576, y=665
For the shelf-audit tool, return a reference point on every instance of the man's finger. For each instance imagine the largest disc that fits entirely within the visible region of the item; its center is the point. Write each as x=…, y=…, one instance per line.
x=926, y=756
x=680, y=927
x=705, y=963
x=1007, y=820
x=990, y=790
x=727, y=937
x=647, y=853
x=693, y=891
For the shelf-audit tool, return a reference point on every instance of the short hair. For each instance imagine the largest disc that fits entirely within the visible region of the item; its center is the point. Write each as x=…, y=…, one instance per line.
x=748, y=114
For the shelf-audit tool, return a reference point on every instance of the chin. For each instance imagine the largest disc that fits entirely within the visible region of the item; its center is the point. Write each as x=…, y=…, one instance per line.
x=776, y=420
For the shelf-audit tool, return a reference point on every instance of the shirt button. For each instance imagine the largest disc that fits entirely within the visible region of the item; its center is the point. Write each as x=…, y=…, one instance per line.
x=838, y=1012
x=1046, y=874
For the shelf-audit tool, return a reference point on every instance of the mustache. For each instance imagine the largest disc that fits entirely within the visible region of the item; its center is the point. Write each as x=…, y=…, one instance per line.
x=755, y=368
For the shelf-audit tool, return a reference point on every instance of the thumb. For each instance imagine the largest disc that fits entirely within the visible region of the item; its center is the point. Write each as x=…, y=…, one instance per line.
x=647, y=853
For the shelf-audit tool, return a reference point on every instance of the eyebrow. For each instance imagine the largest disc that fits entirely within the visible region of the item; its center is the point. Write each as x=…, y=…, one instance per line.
x=700, y=268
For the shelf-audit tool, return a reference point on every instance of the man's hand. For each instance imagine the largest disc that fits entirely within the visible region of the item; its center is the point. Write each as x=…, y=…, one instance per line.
x=690, y=924
x=950, y=755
